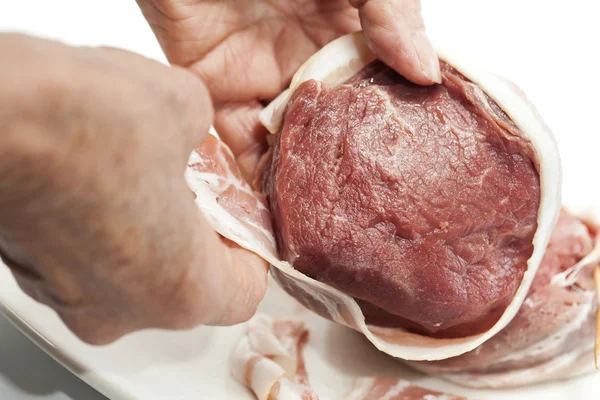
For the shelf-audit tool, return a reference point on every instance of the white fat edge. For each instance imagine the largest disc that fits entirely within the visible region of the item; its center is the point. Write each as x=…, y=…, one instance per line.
x=289, y=360
x=591, y=215
x=212, y=131
x=288, y=363
x=197, y=179
x=262, y=339
x=267, y=344
x=360, y=388
x=575, y=363
x=265, y=372
x=263, y=377
x=260, y=321
x=272, y=115
x=569, y=276
x=333, y=65
x=218, y=217
x=288, y=390
x=214, y=181
x=238, y=360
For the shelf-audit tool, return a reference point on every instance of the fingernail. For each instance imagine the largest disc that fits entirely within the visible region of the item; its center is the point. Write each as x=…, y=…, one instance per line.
x=430, y=65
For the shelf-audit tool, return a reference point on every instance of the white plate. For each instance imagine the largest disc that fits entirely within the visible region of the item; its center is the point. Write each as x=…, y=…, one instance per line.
x=192, y=365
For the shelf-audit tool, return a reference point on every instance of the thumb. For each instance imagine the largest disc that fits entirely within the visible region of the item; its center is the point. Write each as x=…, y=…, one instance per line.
x=232, y=280
x=222, y=284
x=395, y=32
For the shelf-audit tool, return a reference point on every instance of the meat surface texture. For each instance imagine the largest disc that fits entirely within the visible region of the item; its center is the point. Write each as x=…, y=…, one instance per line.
x=552, y=336
x=419, y=202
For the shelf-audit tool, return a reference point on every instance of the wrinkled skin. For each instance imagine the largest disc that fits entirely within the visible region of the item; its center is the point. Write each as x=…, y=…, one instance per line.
x=95, y=218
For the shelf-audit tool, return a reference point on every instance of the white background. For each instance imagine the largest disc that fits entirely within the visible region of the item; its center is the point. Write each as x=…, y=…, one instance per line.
x=549, y=48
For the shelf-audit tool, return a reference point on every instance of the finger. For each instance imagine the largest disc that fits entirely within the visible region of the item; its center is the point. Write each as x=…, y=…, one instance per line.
x=222, y=286
x=234, y=281
x=395, y=32
x=250, y=272
x=239, y=127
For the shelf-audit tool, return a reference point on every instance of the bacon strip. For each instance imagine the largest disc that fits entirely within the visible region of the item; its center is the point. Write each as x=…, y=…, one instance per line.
x=226, y=200
x=383, y=388
x=268, y=359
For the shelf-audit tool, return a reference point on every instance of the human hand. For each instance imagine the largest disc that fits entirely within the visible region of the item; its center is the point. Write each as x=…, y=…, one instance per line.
x=247, y=51
x=96, y=220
